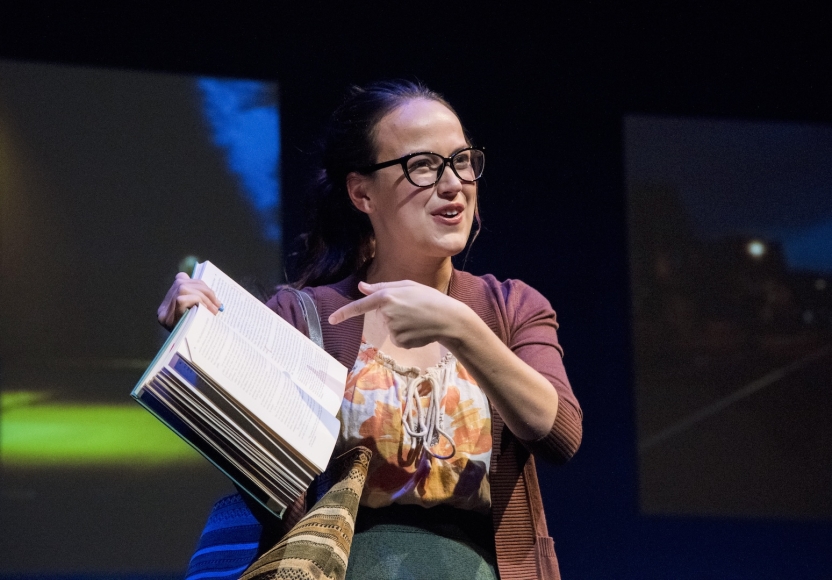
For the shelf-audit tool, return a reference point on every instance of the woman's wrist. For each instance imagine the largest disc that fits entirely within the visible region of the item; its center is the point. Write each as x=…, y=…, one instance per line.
x=460, y=329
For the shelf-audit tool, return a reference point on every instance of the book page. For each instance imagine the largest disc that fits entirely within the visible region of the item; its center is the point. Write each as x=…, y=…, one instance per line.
x=216, y=405
x=170, y=347
x=162, y=407
x=265, y=470
x=323, y=377
x=260, y=385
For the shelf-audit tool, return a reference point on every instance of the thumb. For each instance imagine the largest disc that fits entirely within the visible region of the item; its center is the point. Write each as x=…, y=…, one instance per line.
x=368, y=289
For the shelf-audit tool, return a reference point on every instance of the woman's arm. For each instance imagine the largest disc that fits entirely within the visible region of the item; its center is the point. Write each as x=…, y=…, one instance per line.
x=523, y=397
x=417, y=315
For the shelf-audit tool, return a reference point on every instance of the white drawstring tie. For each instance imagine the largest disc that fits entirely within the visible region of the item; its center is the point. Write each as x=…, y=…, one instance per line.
x=425, y=425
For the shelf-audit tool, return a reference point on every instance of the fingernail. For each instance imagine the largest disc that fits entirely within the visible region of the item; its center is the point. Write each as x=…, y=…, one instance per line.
x=221, y=308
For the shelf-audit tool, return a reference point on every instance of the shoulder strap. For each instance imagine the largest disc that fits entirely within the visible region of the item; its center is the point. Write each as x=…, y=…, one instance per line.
x=321, y=484
x=310, y=314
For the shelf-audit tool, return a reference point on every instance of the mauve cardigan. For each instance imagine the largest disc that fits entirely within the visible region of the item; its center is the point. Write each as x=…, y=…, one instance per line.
x=524, y=320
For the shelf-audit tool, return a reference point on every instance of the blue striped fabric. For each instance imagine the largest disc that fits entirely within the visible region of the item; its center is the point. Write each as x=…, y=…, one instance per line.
x=229, y=541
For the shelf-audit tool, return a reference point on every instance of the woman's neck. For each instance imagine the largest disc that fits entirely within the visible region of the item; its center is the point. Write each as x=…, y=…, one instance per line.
x=434, y=273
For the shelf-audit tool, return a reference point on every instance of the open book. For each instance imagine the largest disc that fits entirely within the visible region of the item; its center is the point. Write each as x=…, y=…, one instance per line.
x=249, y=391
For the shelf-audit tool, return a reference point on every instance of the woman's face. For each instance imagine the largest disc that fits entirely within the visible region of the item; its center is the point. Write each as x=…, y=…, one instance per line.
x=408, y=220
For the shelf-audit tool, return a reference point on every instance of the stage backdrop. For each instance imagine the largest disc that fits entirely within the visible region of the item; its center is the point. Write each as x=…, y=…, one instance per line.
x=110, y=183
x=731, y=268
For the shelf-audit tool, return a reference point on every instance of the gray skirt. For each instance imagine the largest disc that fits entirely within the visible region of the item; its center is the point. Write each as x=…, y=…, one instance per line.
x=414, y=543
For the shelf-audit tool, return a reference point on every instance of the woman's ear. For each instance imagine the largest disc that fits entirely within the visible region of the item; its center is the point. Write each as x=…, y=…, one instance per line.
x=358, y=192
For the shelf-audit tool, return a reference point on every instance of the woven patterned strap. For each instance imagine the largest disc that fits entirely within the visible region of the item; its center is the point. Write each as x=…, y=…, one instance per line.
x=319, y=544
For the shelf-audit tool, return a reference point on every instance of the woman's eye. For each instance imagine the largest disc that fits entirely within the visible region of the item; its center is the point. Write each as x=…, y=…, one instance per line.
x=421, y=164
x=462, y=161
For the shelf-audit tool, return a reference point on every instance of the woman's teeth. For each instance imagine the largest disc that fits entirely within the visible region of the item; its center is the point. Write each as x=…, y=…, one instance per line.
x=450, y=213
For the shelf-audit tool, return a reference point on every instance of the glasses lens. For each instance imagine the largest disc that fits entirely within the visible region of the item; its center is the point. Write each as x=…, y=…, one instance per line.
x=468, y=164
x=424, y=169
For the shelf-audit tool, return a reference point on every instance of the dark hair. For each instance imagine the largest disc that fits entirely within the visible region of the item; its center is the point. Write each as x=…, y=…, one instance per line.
x=341, y=240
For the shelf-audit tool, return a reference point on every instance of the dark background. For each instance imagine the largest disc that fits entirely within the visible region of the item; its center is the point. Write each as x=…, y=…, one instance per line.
x=545, y=88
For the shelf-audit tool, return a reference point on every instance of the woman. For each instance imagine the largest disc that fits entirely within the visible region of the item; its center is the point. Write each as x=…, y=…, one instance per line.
x=452, y=490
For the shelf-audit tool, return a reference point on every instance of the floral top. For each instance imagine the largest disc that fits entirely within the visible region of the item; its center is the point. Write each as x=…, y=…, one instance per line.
x=430, y=432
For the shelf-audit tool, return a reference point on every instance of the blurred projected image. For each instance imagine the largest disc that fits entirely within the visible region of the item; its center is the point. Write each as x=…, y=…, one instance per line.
x=110, y=183
x=731, y=264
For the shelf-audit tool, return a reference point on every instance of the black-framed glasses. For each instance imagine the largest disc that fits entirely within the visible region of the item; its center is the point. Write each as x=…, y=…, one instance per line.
x=425, y=168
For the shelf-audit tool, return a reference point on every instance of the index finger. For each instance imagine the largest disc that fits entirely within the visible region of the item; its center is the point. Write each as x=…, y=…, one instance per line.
x=186, y=286
x=206, y=290
x=357, y=308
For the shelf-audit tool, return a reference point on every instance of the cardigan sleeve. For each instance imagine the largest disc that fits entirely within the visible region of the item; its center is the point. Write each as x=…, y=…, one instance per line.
x=532, y=336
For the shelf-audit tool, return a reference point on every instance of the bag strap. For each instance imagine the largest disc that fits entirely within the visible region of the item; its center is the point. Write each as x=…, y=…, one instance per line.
x=321, y=484
x=310, y=315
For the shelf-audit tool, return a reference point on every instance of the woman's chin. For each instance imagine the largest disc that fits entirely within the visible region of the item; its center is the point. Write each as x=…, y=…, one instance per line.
x=449, y=247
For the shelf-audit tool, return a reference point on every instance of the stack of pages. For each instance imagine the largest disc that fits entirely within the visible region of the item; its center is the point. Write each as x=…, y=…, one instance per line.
x=248, y=391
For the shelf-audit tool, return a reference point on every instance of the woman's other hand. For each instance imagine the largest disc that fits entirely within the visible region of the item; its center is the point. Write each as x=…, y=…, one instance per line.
x=184, y=293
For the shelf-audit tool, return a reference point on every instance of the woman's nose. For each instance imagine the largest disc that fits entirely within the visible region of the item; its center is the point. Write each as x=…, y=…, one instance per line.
x=449, y=184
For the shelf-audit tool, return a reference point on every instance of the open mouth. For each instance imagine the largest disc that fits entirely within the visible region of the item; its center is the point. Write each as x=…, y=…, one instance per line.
x=449, y=211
